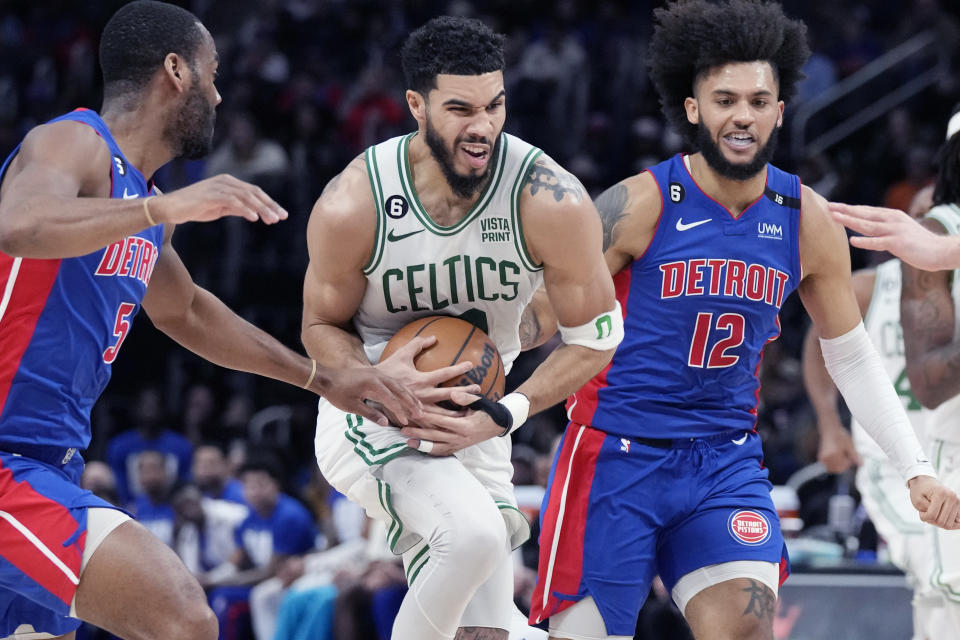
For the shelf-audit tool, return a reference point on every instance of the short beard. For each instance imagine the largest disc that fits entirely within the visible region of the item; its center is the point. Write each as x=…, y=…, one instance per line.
x=741, y=172
x=191, y=131
x=464, y=186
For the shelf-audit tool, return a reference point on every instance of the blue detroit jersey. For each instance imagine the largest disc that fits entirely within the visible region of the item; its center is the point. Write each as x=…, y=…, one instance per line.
x=62, y=322
x=699, y=305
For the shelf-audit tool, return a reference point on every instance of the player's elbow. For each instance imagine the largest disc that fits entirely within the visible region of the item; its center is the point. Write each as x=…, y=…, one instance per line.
x=925, y=389
x=14, y=237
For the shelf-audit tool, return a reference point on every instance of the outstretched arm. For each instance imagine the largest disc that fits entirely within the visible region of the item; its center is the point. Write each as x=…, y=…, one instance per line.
x=55, y=201
x=894, y=231
x=836, y=450
x=854, y=365
x=201, y=322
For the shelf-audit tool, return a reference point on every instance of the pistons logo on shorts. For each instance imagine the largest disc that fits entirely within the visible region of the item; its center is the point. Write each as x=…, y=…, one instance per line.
x=748, y=527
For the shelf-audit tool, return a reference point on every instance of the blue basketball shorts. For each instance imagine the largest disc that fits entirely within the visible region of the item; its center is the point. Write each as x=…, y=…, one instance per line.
x=43, y=526
x=619, y=511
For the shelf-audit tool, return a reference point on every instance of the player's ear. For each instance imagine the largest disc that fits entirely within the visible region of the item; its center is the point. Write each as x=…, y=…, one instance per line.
x=174, y=68
x=417, y=104
x=693, y=110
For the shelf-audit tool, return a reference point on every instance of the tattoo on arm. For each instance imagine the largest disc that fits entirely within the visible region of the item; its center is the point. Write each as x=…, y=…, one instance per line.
x=612, y=205
x=481, y=633
x=551, y=178
x=927, y=317
x=762, y=601
x=530, y=329
x=357, y=164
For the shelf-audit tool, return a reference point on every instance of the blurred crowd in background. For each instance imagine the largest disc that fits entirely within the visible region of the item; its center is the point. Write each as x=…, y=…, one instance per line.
x=306, y=86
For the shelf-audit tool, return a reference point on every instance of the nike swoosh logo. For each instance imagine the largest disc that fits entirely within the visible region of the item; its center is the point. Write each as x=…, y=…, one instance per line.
x=740, y=441
x=392, y=237
x=691, y=225
x=129, y=196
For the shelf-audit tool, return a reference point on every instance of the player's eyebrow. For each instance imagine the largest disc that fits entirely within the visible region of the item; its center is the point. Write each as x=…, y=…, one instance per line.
x=456, y=102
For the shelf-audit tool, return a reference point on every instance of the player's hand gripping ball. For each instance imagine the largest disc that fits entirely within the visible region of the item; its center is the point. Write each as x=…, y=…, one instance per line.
x=457, y=341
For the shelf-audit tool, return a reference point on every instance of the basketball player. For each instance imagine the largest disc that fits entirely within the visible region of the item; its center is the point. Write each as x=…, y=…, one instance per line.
x=456, y=218
x=77, y=256
x=929, y=312
x=660, y=471
x=881, y=489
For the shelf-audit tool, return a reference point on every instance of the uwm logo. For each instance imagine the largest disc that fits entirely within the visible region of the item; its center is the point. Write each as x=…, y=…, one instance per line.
x=770, y=230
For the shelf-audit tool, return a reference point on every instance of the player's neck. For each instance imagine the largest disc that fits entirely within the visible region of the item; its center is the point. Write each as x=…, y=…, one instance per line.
x=139, y=134
x=444, y=206
x=735, y=195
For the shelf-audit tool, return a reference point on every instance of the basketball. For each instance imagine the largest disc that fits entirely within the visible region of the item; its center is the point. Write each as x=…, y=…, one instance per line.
x=457, y=341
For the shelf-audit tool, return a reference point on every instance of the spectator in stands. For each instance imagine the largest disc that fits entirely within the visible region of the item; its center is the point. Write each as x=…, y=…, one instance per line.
x=149, y=434
x=152, y=508
x=211, y=474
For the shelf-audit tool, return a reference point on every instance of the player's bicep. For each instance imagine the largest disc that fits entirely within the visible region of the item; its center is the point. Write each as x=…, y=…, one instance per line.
x=575, y=272
x=826, y=289
x=339, y=242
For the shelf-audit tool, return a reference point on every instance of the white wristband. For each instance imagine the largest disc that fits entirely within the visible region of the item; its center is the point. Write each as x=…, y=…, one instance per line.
x=519, y=407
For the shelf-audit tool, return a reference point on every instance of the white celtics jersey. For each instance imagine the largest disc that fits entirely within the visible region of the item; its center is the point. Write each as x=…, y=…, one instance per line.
x=477, y=269
x=882, y=322
x=944, y=421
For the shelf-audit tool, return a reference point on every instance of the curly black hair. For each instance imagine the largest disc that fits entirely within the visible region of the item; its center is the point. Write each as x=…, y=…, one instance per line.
x=138, y=37
x=448, y=44
x=946, y=190
x=693, y=36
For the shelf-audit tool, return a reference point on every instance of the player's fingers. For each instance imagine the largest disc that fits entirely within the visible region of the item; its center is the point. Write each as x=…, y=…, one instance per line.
x=426, y=432
x=371, y=411
x=397, y=399
x=443, y=374
x=869, y=242
x=861, y=211
x=433, y=395
x=269, y=204
x=462, y=398
x=932, y=513
x=264, y=211
x=235, y=206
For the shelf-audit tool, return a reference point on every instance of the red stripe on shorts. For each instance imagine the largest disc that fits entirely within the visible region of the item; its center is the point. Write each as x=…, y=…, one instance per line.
x=51, y=523
x=562, y=535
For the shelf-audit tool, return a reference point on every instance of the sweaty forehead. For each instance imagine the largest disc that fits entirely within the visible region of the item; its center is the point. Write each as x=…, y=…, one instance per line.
x=478, y=90
x=738, y=77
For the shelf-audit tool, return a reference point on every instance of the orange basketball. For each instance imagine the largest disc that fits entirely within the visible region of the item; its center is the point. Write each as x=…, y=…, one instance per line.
x=457, y=341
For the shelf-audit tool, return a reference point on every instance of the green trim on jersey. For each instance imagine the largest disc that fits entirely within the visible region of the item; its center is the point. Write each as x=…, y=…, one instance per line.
x=367, y=452
x=373, y=174
x=396, y=527
x=518, y=240
x=413, y=569
x=406, y=182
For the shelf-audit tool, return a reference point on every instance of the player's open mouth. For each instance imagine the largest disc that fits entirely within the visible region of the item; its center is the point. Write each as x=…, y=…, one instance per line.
x=739, y=140
x=476, y=154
